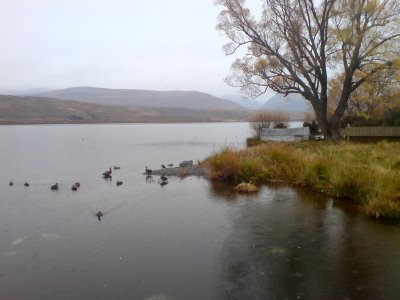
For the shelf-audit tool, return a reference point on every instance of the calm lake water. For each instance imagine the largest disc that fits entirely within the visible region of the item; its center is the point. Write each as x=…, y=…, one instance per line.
x=187, y=240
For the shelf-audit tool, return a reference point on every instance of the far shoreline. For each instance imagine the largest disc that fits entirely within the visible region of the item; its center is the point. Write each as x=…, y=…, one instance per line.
x=127, y=123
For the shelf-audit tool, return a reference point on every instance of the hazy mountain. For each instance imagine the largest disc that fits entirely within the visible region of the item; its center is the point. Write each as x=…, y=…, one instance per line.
x=290, y=103
x=36, y=110
x=24, y=92
x=33, y=91
x=130, y=97
x=244, y=101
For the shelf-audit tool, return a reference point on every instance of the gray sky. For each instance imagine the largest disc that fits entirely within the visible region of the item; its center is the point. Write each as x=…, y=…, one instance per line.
x=139, y=44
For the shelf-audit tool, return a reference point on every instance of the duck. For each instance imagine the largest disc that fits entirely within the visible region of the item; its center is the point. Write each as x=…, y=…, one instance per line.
x=11, y=183
x=54, y=187
x=99, y=214
x=74, y=187
x=119, y=182
x=107, y=174
x=163, y=166
x=163, y=177
x=26, y=184
x=148, y=171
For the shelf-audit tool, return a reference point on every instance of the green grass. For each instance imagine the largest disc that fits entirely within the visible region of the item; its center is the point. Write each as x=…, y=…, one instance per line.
x=366, y=174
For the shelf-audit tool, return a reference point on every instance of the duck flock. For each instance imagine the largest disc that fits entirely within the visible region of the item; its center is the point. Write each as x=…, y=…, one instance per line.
x=163, y=178
x=108, y=175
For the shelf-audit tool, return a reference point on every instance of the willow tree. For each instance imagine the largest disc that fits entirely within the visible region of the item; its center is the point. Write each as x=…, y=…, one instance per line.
x=295, y=46
x=377, y=96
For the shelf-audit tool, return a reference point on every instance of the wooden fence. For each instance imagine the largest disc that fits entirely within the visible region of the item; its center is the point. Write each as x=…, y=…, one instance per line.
x=371, y=132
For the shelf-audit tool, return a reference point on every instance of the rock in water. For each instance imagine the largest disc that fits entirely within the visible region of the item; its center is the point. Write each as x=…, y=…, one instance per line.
x=186, y=163
x=246, y=188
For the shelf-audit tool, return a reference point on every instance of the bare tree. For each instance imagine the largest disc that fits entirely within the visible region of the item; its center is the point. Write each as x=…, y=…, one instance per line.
x=266, y=119
x=296, y=45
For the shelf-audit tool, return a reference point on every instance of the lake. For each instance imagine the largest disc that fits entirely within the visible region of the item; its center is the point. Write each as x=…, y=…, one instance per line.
x=190, y=239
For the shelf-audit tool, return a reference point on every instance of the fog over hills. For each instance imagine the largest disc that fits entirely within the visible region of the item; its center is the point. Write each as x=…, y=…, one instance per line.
x=244, y=101
x=290, y=103
x=143, y=98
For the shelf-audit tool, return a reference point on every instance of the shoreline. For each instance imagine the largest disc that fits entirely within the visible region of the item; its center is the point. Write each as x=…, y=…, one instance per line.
x=198, y=170
x=362, y=174
x=126, y=123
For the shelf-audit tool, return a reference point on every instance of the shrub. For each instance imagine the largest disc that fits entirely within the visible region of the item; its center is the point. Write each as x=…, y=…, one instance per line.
x=264, y=119
x=314, y=128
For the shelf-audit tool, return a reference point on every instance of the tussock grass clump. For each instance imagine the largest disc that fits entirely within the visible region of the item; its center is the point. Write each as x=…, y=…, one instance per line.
x=235, y=166
x=224, y=166
x=396, y=166
x=318, y=173
x=249, y=169
x=384, y=201
x=354, y=183
x=281, y=163
x=367, y=174
x=246, y=188
x=253, y=141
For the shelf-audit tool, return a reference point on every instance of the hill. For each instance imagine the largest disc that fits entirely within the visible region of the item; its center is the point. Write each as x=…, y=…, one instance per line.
x=244, y=101
x=37, y=110
x=143, y=98
x=292, y=103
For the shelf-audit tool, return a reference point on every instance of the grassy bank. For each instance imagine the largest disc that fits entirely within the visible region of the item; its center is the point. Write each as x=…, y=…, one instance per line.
x=367, y=174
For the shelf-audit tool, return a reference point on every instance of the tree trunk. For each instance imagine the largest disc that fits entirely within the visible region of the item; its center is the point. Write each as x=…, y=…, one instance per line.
x=334, y=132
x=330, y=130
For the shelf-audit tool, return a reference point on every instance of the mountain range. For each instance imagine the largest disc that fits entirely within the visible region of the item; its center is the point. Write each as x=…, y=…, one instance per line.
x=100, y=105
x=142, y=98
x=40, y=110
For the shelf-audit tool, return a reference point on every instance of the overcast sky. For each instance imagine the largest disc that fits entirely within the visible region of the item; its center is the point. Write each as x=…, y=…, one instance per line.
x=139, y=44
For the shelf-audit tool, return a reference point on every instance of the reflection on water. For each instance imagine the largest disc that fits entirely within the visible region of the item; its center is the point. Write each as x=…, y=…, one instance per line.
x=288, y=244
x=190, y=239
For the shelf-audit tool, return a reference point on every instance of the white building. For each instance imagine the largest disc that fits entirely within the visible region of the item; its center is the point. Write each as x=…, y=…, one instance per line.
x=285, y=134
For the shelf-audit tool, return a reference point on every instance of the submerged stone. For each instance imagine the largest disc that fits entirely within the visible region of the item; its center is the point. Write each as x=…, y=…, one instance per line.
x=278, y=250
x=158, y=297
x=246, y=188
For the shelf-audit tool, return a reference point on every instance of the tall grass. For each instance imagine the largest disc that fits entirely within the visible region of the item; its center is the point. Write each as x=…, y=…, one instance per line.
x=367, y=174
x=234, y=166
